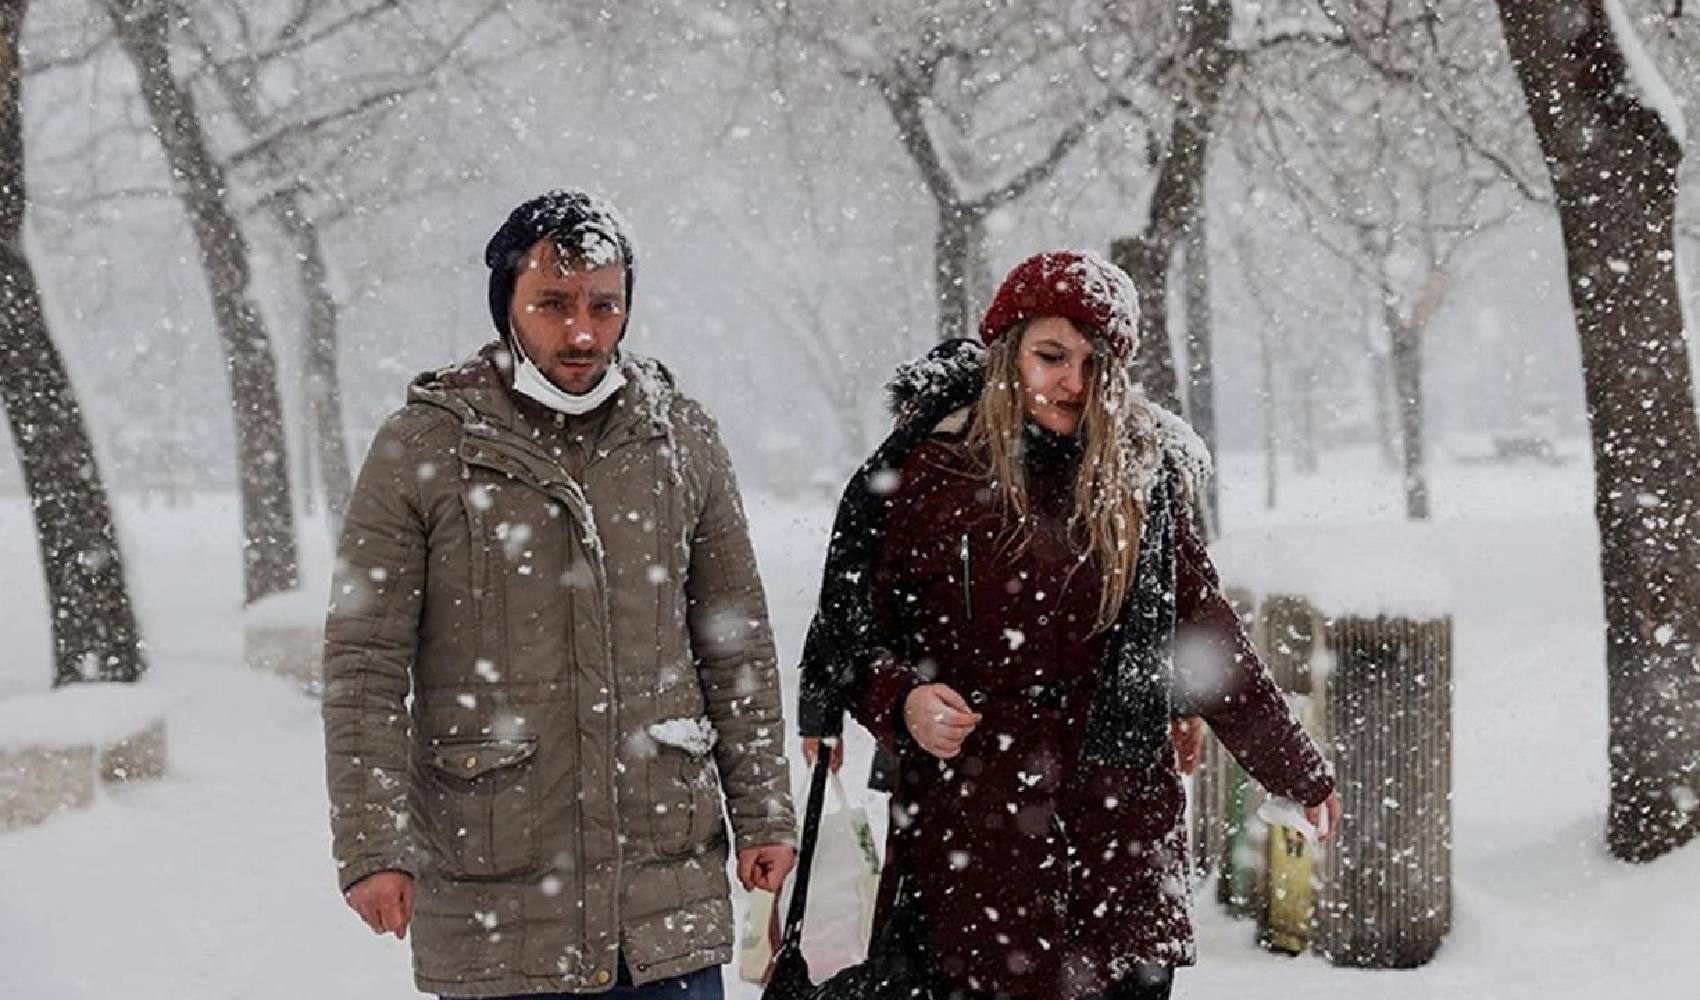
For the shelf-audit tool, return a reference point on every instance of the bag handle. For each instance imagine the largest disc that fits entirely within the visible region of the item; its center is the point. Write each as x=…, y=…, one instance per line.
x=811, y=833
x=836, y=783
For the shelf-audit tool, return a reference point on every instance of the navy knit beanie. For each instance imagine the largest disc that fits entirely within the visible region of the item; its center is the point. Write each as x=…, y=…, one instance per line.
x=574, y=219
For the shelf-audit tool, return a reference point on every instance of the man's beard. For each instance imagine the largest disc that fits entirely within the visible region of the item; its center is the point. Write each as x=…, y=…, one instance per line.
x=560, y=375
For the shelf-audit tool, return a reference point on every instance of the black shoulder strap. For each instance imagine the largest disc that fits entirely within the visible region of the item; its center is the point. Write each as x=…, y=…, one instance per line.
x=793, y=937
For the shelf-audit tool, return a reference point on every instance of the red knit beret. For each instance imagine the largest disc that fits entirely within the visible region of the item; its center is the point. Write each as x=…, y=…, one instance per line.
x=1083, y=288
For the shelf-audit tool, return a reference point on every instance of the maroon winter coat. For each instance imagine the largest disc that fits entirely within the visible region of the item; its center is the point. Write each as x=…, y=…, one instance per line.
x=1038, y=879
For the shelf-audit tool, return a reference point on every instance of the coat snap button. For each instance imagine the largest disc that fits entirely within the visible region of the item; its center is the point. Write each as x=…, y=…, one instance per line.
x=471, y=761
x=602, y=977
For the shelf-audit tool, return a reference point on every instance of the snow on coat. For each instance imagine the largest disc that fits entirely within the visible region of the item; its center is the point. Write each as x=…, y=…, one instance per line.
x=1098, y=844
x=1099, y=848
x=549, y=682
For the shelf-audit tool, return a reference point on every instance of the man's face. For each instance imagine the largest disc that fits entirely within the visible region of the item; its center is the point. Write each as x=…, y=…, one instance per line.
x=568, y=319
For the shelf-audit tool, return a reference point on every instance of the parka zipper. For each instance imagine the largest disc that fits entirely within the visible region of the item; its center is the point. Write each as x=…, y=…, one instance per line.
x=967, y=588
x=1067, y=866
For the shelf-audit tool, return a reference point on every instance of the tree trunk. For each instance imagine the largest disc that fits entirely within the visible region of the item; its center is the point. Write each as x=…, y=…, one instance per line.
x=1613, y=164
x=1174, y=202
x=1380, y=382
x=1381, y=385
x=304, y=478
x=1271, y=460
x=327, y=442
x=268, y=520
x=1306, y=452
x=1405, y=352
x=1147, y=262
x=1201, y=364
x=94, y=626
x=958, y=269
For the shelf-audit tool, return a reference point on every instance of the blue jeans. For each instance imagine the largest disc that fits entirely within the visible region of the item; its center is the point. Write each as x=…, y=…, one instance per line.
x=703, y=984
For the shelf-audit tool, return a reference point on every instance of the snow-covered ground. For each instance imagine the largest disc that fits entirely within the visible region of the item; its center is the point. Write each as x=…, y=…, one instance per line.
x=216, y=883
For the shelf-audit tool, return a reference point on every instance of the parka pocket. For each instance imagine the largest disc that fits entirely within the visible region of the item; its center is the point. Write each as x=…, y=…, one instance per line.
x=480, y=803
x=688, y=817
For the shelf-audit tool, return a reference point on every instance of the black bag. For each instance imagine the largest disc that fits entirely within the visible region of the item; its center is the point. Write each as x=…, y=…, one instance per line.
x=895, y=968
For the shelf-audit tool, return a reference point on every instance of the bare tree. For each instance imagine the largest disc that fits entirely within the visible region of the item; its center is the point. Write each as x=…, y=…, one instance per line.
x=95, y=636
x=988, y=99
x=1201, y=93
x=293, y=147
x=1613, y=161
x=1309, y=336
x=807, y=232
x=270, y=561
x=1389, y=188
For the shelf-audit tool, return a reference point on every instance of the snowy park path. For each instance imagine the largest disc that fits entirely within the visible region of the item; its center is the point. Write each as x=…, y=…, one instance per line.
x=216, y=883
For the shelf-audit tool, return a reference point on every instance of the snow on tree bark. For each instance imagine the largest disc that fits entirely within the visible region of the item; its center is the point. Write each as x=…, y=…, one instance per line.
x=94, y=627
x=1613, y=163
x=1174, y=202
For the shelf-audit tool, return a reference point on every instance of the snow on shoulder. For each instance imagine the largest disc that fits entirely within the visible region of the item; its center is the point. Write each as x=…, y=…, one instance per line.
x=657, y=394
x=1183, y=446
x=654, y=385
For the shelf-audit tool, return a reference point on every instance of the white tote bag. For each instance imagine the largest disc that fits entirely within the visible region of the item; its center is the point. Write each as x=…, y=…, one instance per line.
x=842, y=893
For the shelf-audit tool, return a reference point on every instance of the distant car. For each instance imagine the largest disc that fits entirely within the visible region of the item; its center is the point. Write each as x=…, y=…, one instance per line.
x=1534, y=434
x=1514, y=446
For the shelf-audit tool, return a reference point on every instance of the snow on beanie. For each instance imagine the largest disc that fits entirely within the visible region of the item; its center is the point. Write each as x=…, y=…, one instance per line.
x=576, y=219
x=1080, y=287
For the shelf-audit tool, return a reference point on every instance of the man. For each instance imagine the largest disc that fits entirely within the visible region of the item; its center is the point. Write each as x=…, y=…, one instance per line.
x=546, y=548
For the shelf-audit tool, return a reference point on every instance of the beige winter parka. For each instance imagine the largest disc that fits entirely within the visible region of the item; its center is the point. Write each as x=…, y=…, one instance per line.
x=541, y=687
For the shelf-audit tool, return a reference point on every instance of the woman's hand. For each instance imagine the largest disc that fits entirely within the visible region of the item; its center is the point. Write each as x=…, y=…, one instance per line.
x=811, y=750
x=1325, y=817
x=939, y=719
x=1188, y=736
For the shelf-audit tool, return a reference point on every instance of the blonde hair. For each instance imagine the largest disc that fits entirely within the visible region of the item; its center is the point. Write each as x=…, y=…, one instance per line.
x=1118, y=458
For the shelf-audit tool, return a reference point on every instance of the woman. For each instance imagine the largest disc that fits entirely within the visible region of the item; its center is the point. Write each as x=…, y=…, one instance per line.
x=1039, y=608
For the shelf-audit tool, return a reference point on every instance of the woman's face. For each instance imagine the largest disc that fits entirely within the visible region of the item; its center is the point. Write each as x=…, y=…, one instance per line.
x=1056, y=365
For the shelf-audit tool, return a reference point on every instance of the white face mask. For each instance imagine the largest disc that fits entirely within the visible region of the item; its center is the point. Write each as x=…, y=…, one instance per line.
x=530, y=381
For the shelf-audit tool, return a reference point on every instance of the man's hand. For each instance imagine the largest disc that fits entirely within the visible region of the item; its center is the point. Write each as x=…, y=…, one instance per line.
x=811, y=750
x=765, y=867
x=384, y=900
x=1188, y=736
x=939, y=719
